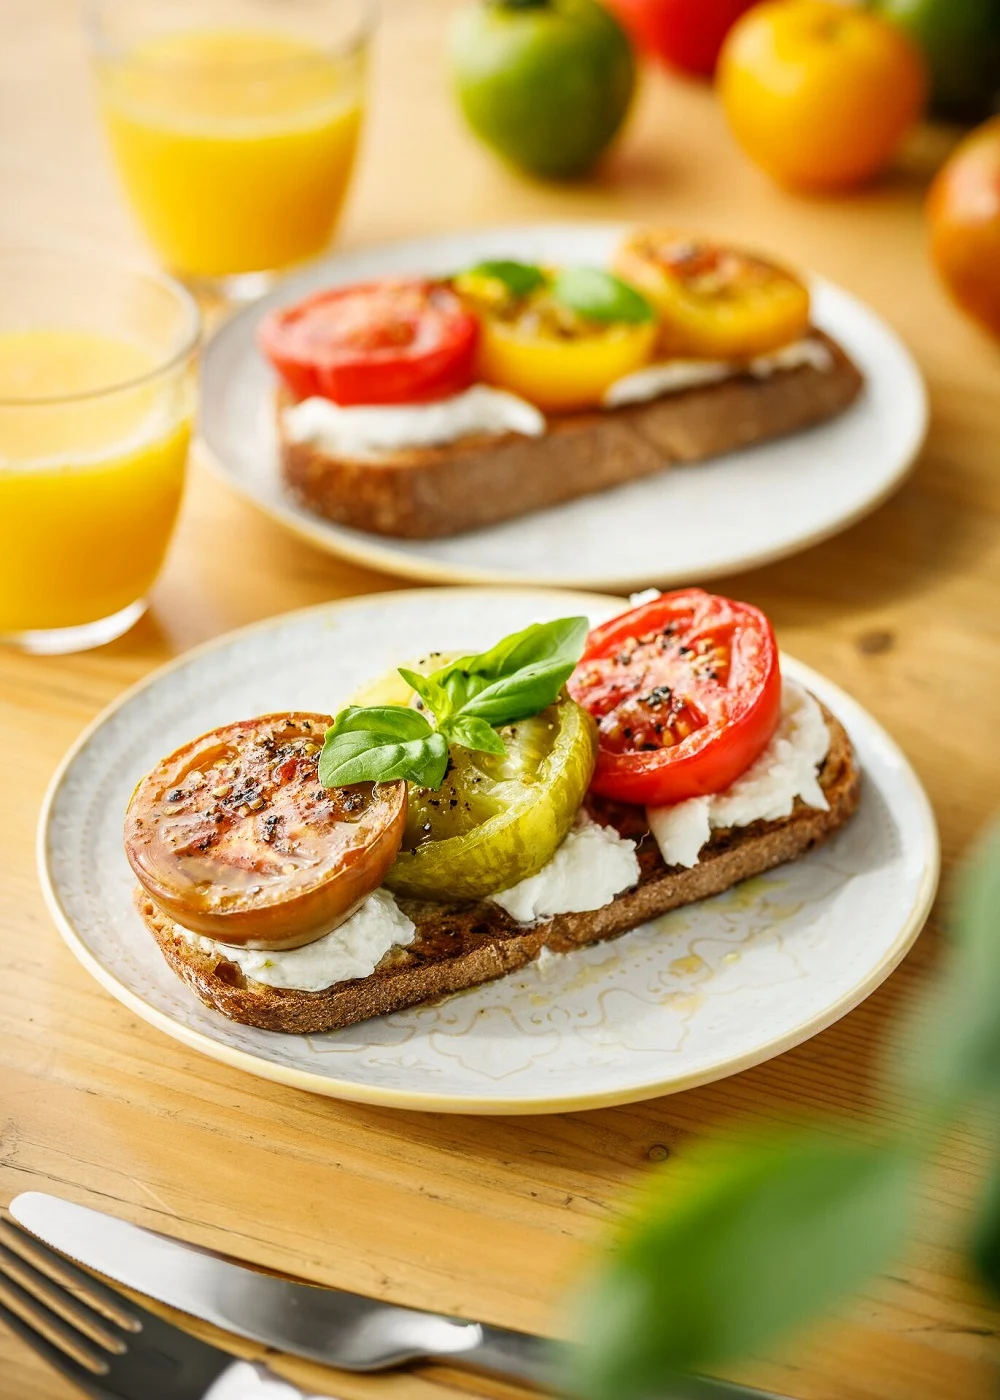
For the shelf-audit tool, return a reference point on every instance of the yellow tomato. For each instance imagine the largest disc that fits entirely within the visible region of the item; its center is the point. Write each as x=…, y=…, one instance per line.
x=713, y=302
x=556, y=359
x=497, y=818
x=820, y=94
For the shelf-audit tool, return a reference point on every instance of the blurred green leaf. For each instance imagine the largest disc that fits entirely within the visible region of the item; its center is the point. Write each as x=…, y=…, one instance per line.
x=732, y=1249
x=985, y=1246
x=950, y=1051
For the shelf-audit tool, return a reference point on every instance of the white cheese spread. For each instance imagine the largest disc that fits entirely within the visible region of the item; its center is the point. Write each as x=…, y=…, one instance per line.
x=787, y=769
x=671, y=376
x=794, y=356
x=591, y=866
x=371, y=430
x=354, y=949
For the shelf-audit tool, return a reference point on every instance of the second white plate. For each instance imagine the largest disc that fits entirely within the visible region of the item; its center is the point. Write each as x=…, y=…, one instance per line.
x=684, y=525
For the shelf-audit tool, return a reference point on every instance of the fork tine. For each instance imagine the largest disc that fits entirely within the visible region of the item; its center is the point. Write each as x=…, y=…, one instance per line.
x=59, y=1300
x=56, y=1266
x=57, y=1359
x=44, y=1324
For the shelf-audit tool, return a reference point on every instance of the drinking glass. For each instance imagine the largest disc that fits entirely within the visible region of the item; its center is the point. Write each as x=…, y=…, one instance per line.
x=234, y=125
x=96, y=390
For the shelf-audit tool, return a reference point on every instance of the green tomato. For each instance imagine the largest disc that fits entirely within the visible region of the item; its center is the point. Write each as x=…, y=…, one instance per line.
x=546, y=83
x=498, y=818
x=961, y=41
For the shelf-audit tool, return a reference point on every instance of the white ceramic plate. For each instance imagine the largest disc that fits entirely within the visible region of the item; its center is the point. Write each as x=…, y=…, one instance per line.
x=683, y=525
x=694, y=996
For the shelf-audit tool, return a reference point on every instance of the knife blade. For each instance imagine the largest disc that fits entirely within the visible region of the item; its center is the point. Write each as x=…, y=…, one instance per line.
x=330, y=1325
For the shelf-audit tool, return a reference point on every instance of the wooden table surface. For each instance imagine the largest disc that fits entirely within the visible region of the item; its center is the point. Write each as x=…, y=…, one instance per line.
x=490, y=1218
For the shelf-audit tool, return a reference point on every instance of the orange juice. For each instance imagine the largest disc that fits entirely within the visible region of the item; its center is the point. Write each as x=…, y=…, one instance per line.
x=235, y=146
x=90, y=481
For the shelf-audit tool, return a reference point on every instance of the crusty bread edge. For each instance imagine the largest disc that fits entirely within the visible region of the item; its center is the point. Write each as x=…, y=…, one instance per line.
x=435, y=492
x=398, y=982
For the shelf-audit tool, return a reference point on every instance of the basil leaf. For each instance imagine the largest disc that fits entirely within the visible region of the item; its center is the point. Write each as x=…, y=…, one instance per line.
x=473, y=733
x=561, y=640
x=519, y=696
x=519, y=676
x=600, y=296
x=519, y=278
x=380, y=744
x=732, y=1248
x=391, y=721
x=435, y=698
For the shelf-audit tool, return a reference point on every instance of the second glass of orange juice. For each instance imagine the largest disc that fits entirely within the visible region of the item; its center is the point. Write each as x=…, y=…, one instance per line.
x=234, y=125
x=96, y=385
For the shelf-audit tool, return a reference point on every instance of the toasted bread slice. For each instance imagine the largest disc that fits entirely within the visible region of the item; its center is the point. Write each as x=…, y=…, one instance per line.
x=433, y=491
x=463, y=945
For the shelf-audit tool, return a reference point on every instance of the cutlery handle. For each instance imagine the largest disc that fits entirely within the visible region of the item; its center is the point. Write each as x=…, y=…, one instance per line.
x=515, y=1355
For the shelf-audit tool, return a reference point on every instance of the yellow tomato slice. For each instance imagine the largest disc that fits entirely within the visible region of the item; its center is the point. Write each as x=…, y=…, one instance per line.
x=496, y=819
x=557, y=374
x=713, y=302
x=538, y=347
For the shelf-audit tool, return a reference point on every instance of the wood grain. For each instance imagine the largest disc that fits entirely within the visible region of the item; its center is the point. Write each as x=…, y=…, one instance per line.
x=494, y=1218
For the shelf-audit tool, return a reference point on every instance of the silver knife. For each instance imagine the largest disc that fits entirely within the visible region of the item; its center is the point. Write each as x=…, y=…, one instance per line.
x=330, y=1325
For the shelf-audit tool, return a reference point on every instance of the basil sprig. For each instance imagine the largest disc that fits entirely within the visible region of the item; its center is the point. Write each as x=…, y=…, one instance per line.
x=600, y=296
x=468, y=700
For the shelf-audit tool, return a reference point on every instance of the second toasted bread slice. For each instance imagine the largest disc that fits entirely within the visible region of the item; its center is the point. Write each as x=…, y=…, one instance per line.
x=421, y=493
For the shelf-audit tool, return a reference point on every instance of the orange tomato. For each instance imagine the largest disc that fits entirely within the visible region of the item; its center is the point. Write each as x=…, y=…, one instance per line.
x=964, y=212
x=818, y=94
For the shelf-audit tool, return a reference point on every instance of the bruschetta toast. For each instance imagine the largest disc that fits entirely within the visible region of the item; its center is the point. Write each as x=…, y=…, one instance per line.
x=301, y=873
x=419, y=409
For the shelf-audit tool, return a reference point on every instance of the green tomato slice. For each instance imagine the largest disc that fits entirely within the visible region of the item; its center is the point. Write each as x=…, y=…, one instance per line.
x=497, y=818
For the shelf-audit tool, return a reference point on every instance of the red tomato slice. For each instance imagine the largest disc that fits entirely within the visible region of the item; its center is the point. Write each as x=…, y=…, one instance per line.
x=376, y=343
x=686, y=691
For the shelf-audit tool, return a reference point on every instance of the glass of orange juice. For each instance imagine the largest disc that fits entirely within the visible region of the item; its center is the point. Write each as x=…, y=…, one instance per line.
x=96, y=390
x=234, y=125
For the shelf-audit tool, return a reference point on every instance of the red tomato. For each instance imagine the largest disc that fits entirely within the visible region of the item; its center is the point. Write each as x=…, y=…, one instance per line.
x=234, y=837
x=397, y=341
x=685, y=33
x=686, y=691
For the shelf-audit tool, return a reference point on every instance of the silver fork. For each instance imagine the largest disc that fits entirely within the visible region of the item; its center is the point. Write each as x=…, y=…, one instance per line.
x=106, y=1345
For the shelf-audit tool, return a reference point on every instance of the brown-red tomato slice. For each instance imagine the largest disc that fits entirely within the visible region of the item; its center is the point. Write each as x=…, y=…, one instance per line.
x=234, y=837
x=390, y=342
x=686, y=690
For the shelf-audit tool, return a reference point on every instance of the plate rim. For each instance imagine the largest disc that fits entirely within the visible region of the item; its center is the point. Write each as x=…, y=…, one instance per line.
x=471, y=1105
x=383, y=556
